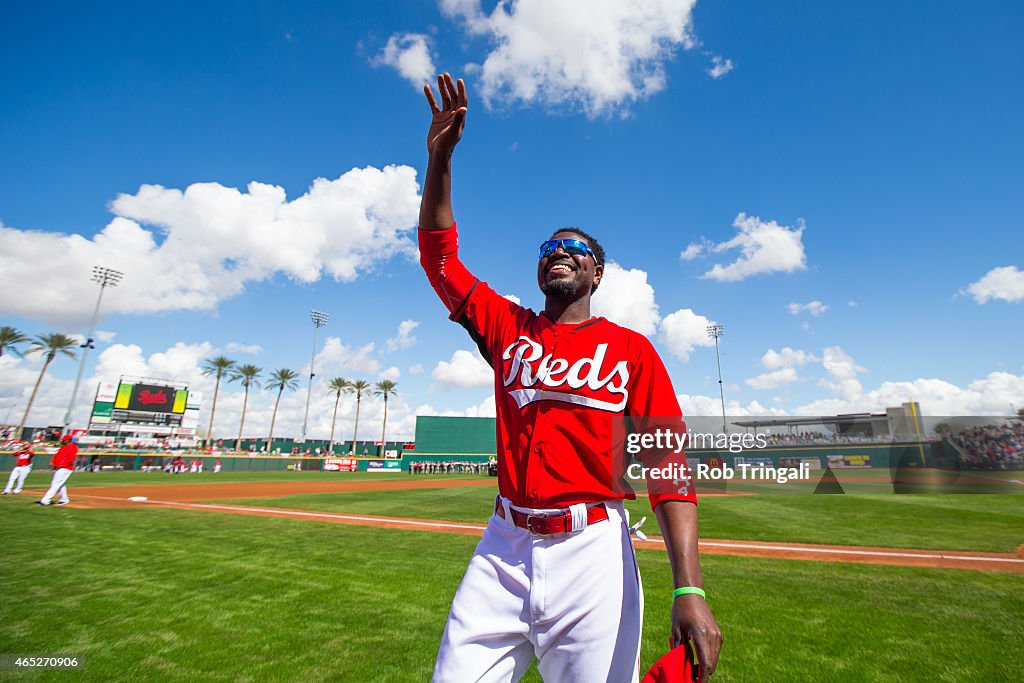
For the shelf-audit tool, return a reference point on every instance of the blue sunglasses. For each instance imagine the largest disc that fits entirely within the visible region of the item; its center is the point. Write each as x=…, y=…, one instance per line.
x=569, y=246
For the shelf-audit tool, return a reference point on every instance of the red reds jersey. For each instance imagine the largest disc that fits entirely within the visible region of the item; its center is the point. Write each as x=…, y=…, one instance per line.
x=64, y=458
x=24, y=455
x=560, y=389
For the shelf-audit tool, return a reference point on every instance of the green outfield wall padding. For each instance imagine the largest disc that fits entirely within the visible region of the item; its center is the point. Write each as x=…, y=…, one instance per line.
x=455, y=434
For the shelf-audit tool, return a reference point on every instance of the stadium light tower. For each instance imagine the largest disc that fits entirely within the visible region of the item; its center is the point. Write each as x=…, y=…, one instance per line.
x=106, y=277
x=716, y=331
x=319, y=320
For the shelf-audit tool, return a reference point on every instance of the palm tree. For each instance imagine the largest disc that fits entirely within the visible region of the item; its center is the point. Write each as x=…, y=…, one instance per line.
x=215, y=366
x=52, y=344
x=339, y=385
x=358, y=386
x=282, y=379
x=385, y=388
x=10, y=338
x=247, y=374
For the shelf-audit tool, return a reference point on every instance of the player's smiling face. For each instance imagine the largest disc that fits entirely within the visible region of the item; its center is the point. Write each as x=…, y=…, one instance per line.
x=563, y=275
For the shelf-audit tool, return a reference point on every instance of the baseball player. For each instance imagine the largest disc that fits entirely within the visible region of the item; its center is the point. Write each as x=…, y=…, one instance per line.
x=554, y=576
x=63, y=463
x=23, y=453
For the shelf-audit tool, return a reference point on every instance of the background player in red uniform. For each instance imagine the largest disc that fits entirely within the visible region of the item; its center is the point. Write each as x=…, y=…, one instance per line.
x=554, y=575
x=23, y=453
x=63, y=463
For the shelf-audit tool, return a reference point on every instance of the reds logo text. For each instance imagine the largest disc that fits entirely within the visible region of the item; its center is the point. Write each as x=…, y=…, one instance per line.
x=147, y=397
x=554, y=373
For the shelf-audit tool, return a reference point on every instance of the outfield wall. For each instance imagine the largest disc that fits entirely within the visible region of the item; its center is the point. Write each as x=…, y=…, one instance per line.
x=930, y=454
x=455, y=435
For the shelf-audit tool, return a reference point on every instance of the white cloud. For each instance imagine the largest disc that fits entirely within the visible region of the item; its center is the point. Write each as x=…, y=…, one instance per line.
x=181, y=362
x=1005, y=283
x=599, y=56
x=773, y=379
x=711, y=406
x=392, y=373
x=684, y=330
x=404, y=338
x=465, y=369
x=786, y=358
x=338, y=358
x=17, y=378
x=626, y=298
x=409, y=54
x=691, y=252
x=719, y=67
x=486, y=408
x=766, y=247
x=513, y=298
x=815, y=308
x=851, y=303
x=416, y=369
x=241, y=347
x=105, y=335
x=208, y=242
x=842, y=372
x=991, y=395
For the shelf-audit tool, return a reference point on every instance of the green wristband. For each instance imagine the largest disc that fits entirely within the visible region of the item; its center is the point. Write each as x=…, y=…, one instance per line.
x=689, y=590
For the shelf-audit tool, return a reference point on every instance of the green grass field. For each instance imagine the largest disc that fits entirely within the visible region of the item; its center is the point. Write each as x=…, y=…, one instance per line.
x=993, y=523
x=156, y=594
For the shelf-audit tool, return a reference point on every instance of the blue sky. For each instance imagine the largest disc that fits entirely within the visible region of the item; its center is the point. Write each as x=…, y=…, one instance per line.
x=866, y=157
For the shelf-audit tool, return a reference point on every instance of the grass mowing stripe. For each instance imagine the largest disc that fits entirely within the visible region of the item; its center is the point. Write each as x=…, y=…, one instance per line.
x=981, y=522
x=161, y=595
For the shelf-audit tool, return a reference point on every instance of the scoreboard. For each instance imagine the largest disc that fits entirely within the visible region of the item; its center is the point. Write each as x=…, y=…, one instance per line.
x=163, y=405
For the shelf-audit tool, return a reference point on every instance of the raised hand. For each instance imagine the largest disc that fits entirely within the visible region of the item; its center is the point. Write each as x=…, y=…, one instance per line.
x=448, y=120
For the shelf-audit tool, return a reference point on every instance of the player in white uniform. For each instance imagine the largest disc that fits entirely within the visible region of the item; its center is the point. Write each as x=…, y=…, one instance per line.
x=555, y=576
x=23, y=465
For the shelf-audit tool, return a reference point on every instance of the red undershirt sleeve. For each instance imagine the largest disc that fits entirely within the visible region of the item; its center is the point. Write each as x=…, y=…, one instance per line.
x=439, y=256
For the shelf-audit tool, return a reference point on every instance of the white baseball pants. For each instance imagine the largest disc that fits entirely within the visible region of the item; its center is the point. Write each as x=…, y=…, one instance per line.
x=58, y=485
x=17, y=479
x=573, y=600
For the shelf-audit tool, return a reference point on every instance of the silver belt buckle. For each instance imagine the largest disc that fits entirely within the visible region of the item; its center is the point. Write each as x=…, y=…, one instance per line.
x=529, y=523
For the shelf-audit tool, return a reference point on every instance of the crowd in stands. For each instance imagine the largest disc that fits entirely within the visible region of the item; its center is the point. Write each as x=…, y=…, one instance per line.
x=992, y=447
x=831, y=438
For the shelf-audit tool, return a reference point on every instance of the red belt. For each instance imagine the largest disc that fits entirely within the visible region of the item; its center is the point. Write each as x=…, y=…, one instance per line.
x=550, y=523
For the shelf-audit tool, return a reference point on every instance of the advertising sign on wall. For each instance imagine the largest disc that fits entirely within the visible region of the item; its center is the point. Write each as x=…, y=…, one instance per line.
x=855, y=462
x=384, y=466
x=340, y=464
x=809, y=463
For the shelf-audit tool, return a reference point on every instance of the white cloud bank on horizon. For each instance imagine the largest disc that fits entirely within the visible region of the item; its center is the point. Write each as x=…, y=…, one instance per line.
x=598, y=56
x=208, y=242
x=989, y=395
